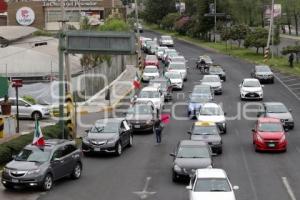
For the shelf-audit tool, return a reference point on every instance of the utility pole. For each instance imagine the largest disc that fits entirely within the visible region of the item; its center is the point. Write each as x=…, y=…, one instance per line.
x=266, y=56
x=215, y=11
x=138, y=33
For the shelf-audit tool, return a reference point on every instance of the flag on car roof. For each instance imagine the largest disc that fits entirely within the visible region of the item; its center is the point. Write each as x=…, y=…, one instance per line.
x=38, y=138
x=136, y=81
x=165, y=118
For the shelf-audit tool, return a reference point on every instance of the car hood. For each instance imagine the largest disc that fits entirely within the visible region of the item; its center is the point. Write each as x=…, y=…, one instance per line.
x=193, y=163
x=206, y=138
x=151, y=74
x=175, y=80
x=23, y=165
x=271, y=135
x=280, y=115
x=101, y=136
x=211, y=118
x=138, y=117
x=263, y=73
x=251, y=89
x=212, y=84
x=213, y=195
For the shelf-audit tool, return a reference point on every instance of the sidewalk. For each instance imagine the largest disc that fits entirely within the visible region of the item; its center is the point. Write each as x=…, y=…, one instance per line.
x=119, y=89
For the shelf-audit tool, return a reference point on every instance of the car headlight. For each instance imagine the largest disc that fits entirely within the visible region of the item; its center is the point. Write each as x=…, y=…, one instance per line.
x=45, y=109
x=282, y=139
x=177, y=168
x=85, y=140
x=35, y=171
x=149, y=121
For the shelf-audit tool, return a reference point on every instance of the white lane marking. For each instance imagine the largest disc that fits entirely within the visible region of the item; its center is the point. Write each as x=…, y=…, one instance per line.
x=288, y=188
x=293, y=79
x=144, y=194
x=247, y=169
x=287, y=87
x=293, y=84
x=286, y=77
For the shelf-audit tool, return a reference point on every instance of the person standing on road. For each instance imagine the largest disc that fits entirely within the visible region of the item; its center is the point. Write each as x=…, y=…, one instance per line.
x=291, y=59
x=158, y=129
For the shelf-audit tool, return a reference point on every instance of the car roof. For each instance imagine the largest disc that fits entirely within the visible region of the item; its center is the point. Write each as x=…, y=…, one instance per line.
x=211, y=173
x=215, y=105
x=204, y=123
x=177, y=63
x=103, y=121
x=250, y=79
x=272, y=103
x=151, y=66
x=193, y=143
x=262, y=66
x=151, y=88
x=210, y=76
x=268, y=120
x=202, y=86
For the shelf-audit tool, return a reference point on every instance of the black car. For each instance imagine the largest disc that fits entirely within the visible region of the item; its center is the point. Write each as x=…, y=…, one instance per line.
x=40, y=166
x=263, y=73
x=217, y=70
x=165, y=86
x=142, y=117
x=110, y=135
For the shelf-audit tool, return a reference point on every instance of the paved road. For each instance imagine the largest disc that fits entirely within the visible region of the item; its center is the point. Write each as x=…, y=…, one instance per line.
x=259, y=175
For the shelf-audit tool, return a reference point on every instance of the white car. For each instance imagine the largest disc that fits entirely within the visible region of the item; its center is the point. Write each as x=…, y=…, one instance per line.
x=178, y=67
x=28, y=110
x=251, y=88
x=166, y=40
x=180, y=59
x=150, y=72
x=160, y=51
x=211, y=184
x=175, y=78
x=212, y=112
x=214, y=81
x=166, y=53
x=152, y=94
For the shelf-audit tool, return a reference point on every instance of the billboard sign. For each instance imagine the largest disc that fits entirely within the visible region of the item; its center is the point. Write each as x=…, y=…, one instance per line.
x=277, y=11
x=25, y=16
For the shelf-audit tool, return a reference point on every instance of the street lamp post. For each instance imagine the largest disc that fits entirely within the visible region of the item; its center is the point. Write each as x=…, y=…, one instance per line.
x=215, y=11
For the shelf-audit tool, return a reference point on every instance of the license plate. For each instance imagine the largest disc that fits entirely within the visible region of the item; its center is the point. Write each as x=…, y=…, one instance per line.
x=97, y=149
x=15, y=180
x=271, y=145
x=137, y=126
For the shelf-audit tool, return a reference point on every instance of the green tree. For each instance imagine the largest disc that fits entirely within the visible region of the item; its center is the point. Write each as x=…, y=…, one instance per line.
x=239, y=32
x=156, y=10
x=257, y=38
x=169, y=20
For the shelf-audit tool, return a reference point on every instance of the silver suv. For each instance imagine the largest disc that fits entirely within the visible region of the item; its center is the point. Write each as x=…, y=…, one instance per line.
x=40, y=166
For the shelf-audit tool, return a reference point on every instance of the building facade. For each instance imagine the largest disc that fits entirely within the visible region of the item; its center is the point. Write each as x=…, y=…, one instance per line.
x=46, y=14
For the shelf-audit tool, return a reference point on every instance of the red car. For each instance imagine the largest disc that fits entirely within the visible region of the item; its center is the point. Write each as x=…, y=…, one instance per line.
x=269, y=135
x=151, y=60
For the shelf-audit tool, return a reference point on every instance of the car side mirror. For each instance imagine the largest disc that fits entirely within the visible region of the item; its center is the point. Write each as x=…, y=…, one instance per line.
x=189, y=187
x=235, y=187
x=262, y=85
x=172, y=154
x=189, y=132
x=253, y=130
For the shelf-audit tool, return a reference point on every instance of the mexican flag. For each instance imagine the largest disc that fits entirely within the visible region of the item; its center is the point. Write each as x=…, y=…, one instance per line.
x=38, y=138
x=136, y=81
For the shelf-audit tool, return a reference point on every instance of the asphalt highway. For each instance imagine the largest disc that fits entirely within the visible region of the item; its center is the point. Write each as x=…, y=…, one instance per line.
x=147, y=166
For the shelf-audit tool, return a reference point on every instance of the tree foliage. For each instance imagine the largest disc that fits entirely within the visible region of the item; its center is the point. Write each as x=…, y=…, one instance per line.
x=291, y=49
x=169, y=20
x=257, y=38
x=239, y=32
x=156, y=10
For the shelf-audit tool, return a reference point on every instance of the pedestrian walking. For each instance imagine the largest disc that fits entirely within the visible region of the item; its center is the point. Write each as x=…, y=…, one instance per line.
x=158, y=129
x=291, y=59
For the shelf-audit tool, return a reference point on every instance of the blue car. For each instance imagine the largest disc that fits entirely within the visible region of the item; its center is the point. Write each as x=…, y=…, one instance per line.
x=195, y=102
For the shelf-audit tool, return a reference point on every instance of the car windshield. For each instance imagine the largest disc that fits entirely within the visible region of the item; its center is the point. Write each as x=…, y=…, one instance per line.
x=34, y=155
x=192, y=152
x=210, y=79
x=162, y=84
x=149, y=94
x=178, y=59
x=140, y=109
x=270, y=127
x=212, y=185
x=172, y=53
x=150, y=58
x=166, y=37
x=251, y=84
x=161, y=48
x=169, y=50
x=173, y=75
x=108, y=127
x=150, y=70
x=216, y=69
x=263, y=69
x=205, y=130
x=202, y=90
x=280, y=108
x=177, y=66
x=199, y=98
x=211, y=111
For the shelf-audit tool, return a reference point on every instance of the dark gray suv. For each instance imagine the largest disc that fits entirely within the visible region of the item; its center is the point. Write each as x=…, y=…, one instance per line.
x=38, y=166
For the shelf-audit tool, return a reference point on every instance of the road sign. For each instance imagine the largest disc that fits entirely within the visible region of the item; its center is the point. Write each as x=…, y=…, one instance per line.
x=17, y=83
x=113, y=43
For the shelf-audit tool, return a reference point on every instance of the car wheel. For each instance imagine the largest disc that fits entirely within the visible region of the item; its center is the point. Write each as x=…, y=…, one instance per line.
x=220, y=151
x=130, y=141
x=174, y=177
x=225, y=130
x=36, y=115
x=47, y=183
x=8, y=186
x=76, y=174
x=118, y=149
x=291, y=127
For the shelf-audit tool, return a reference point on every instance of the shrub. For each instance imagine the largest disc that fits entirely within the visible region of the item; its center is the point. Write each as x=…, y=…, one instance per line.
x=182, y=25
x=168, y=21
x=114, y=25
x=14, y=146
x=30, y=99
